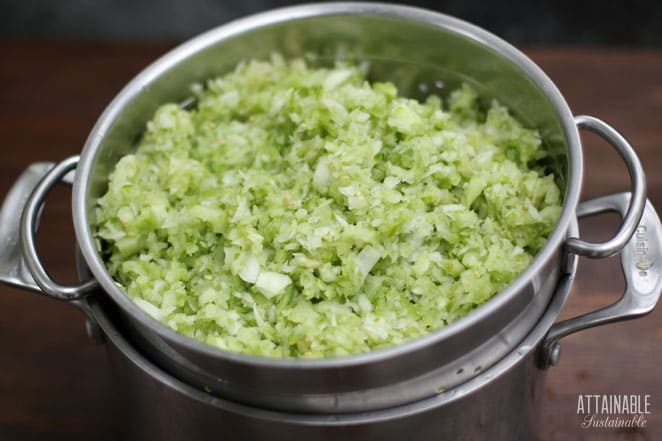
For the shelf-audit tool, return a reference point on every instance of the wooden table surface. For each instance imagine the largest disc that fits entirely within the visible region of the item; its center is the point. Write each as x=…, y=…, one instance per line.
x=54, y=382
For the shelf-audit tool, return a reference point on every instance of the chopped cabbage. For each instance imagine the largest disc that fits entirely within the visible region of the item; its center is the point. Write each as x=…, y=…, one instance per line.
x=305, y=212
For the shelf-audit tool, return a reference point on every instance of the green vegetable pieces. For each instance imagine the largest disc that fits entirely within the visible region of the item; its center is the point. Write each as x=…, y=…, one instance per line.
x=305, y=212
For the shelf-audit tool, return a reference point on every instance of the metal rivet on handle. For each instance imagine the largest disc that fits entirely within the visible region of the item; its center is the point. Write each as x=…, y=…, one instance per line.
x=554, y=354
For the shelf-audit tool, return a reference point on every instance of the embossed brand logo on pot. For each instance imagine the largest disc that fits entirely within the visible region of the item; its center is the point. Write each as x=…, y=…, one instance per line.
x=643, y=263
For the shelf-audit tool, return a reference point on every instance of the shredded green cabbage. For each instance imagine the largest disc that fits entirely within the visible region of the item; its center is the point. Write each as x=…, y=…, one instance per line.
x=305, y=212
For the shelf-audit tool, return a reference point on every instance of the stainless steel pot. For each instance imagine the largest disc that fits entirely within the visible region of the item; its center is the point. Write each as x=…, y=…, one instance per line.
x=418, y=50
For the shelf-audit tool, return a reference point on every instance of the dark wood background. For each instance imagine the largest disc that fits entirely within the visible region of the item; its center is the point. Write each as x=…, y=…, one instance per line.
x=55, y=383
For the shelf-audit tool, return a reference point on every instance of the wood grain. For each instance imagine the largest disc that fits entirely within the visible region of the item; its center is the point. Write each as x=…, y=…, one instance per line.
x=54, y=382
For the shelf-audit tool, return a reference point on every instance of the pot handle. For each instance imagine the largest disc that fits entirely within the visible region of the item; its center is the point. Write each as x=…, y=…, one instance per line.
x=28, y=229
x=641, y=261
x=635, y=209
x=13, y=270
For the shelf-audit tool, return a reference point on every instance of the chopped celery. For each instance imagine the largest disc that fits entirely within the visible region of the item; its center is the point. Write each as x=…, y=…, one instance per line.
x=305, y=212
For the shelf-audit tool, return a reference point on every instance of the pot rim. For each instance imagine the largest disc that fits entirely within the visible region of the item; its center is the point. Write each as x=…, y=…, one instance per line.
x=283, y=15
